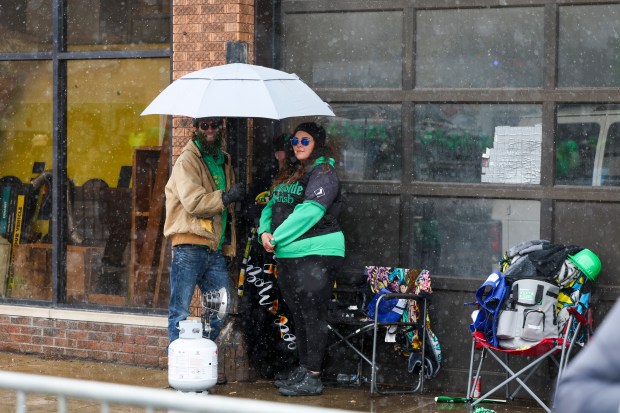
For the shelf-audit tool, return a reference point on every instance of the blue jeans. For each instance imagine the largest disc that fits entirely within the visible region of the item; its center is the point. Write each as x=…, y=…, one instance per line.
x=192, y=266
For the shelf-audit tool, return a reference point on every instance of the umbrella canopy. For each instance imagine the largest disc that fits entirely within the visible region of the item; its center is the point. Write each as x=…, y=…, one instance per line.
x=239, y=90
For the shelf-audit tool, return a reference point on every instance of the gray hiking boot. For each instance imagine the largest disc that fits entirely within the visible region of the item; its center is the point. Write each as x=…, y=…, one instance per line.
x=295, y=377
x=310, y=385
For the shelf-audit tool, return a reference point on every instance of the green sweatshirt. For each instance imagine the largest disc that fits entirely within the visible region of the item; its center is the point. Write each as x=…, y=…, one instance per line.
x=306, y=211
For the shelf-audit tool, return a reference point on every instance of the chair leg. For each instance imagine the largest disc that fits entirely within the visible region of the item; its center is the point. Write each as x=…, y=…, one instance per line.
x=373, y=367
x=568, y=338
x=471, y=369
x=518, y=389
x=515, y=376
x=346, y=341
x=374, y=386
x=507, y=389
x=421, y=377
x=474, y=378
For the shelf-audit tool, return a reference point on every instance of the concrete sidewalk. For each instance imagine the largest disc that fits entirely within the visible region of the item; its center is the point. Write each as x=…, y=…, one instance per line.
x=349, y=398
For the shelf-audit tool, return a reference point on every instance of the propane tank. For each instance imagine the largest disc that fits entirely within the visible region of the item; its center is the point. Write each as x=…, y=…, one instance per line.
x=192, y=359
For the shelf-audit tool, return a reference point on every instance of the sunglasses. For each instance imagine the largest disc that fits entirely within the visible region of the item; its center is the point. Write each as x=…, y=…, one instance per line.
x=207, y=125
x=304, y=141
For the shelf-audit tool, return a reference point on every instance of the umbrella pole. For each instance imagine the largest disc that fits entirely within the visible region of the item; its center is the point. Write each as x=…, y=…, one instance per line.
x=236, y=146
x=237, y=52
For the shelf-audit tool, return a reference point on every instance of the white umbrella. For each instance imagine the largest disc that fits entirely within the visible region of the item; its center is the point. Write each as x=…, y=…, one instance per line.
x=238, y=90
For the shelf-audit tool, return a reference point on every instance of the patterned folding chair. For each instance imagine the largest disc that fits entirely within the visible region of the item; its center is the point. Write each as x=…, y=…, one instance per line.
x=389, y=285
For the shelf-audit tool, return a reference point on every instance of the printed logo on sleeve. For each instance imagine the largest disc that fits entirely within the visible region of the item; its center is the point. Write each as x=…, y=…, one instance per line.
x=319, y=192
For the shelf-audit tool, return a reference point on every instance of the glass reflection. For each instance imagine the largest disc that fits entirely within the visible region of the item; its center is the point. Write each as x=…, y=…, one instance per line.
x=467, y=237
x=589, y=46
x=480, y=48
x=354, y=50
x=367, y=141
x=112, y=156
x=25, y=180
x=493, y=143
x=371, y=217
x=574, y=224
x=125, y=25
x=587, y=145
x=25, y=26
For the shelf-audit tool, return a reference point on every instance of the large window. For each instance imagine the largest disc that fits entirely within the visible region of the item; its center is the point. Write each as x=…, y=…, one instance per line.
x=106, y=138
x=463, y=128
x=593, y=224
x=353, y=50
x=478, y=143
x=477, y=48
x=367, y=141
x=118, y=25
x=26, y=141
x=469, y=236
x=370, y=220
x=589, y=46
x=88, y=107
x=25, y=26
x=588, y=145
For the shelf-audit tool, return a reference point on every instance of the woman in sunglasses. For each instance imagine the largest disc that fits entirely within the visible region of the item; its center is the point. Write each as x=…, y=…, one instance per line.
x=200, y=222
x=300, y=225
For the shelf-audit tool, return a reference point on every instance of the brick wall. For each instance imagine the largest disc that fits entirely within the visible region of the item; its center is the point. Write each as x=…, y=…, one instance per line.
x=108, y=342
x=112, y=343
x=200, y=30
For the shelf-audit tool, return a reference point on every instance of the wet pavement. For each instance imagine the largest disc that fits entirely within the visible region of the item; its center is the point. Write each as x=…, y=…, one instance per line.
x=348, y=398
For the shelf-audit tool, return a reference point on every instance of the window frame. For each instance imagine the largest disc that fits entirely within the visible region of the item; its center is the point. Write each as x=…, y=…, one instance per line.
x=59, y=56
x=549, y=96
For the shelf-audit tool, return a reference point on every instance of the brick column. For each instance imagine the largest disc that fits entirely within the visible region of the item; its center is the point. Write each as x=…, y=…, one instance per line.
x=200, y=30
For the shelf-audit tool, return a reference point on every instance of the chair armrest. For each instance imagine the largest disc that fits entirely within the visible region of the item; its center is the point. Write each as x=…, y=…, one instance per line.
x=580, y=318
x=407, y=296
x=389, y=296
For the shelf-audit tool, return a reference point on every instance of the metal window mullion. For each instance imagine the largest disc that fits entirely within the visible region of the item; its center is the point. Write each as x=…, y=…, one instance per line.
x=547, y=167
x=551, y=35
x=342, y=6
x=59, y=152
x=549, y=110
x=407, y=177
x=25, y=56
x=115, y=54
x=549, y=105
x=409, y=30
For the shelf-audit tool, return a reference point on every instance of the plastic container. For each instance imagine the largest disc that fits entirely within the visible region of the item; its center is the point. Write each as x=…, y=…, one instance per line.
x=476, y=386
x=344, y=378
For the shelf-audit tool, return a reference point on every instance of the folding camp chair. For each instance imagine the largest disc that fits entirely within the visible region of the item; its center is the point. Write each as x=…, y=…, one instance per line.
x=363, y=326
x=353, y=327
x=576, y=332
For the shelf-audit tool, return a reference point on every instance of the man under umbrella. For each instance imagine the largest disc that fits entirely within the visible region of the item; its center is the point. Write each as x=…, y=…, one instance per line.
x=200, y=221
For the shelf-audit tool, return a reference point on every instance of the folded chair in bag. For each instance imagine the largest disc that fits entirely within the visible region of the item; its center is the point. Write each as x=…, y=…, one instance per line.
x=538, y=320
x=398, y=308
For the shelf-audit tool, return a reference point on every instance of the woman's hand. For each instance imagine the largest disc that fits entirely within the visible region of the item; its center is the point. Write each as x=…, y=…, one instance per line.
x=265, y=238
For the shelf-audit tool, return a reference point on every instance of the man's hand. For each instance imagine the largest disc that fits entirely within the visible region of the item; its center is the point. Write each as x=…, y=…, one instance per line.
x=235, y=193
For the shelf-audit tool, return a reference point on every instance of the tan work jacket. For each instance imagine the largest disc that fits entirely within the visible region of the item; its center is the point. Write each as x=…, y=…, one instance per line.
x=194, y=206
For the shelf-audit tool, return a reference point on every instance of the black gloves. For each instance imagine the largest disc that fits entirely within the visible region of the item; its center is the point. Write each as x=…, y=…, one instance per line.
x=235, y=193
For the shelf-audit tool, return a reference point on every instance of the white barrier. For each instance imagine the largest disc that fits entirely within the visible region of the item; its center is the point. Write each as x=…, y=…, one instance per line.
x=149, y=399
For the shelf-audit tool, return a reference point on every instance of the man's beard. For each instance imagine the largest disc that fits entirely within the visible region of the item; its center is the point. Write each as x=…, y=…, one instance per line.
x=210, y=147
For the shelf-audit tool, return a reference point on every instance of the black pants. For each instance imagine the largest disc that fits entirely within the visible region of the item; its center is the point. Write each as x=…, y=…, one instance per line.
x=306, y=286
